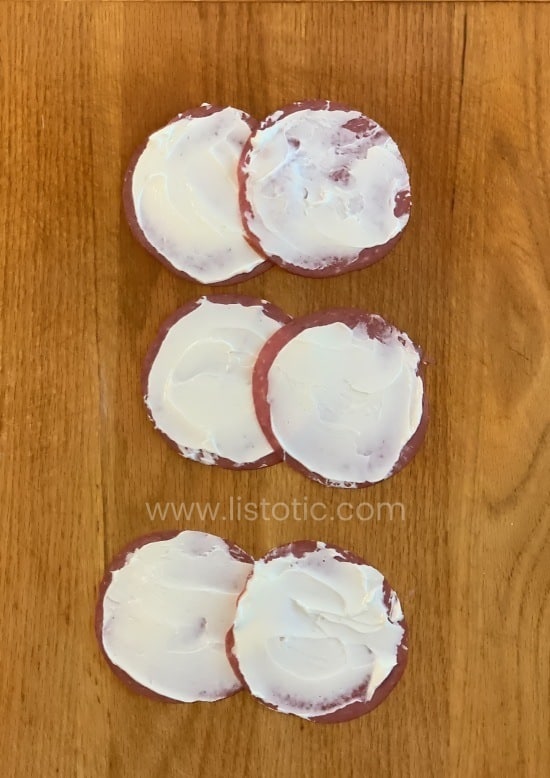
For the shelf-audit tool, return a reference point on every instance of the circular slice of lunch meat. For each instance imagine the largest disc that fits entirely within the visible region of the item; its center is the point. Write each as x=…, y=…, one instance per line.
x=164, y=608
x=318, y=633
x=323, y=189
x=342, y=393
x=197, y=380
x=181, y=196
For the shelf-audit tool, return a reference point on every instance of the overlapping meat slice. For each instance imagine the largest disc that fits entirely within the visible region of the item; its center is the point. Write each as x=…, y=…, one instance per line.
x=164, y=607
x=323, y=189
x=318, y=633
x=181, y=200
x=197, y=380
x=342, y=393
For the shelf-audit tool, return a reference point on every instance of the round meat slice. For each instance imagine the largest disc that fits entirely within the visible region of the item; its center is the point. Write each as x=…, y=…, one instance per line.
x=165, y=605
x=323, y=189
x=181, y=196
x=342, y=393
x=318, y=633
x=197, y=380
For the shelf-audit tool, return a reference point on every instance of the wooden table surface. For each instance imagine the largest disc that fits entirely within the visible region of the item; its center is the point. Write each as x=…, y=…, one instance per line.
x=465, y=90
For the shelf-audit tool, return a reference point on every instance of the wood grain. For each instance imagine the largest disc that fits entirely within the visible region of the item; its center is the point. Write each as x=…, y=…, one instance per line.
x=81, y=84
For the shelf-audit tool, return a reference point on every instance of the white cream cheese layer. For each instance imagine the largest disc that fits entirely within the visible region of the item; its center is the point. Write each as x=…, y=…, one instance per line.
x=345, y=404
x=166, y=614
x=318, y=192
x=311, y=632
x=200, y=383
x=185, y=194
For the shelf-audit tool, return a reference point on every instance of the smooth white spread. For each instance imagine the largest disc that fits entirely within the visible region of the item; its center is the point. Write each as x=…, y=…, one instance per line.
x=345, y=404
x=313, y=634
x=166, y=614
x=319, y=191
x=200, y=383
x=185, y=194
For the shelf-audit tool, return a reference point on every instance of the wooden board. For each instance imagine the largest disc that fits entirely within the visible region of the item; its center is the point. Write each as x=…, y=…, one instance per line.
x=464, y=88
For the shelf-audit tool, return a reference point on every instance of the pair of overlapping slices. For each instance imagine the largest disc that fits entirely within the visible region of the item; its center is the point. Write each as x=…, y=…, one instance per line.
x=236, y=382
x=309, y=629
x=317, y=188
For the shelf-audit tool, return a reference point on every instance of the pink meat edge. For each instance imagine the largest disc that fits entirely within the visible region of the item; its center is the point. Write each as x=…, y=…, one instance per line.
x=338, y=266
x=270, y=310
x=350, y=710
x=260, y=384
x=131, y=216
x=117, y=563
